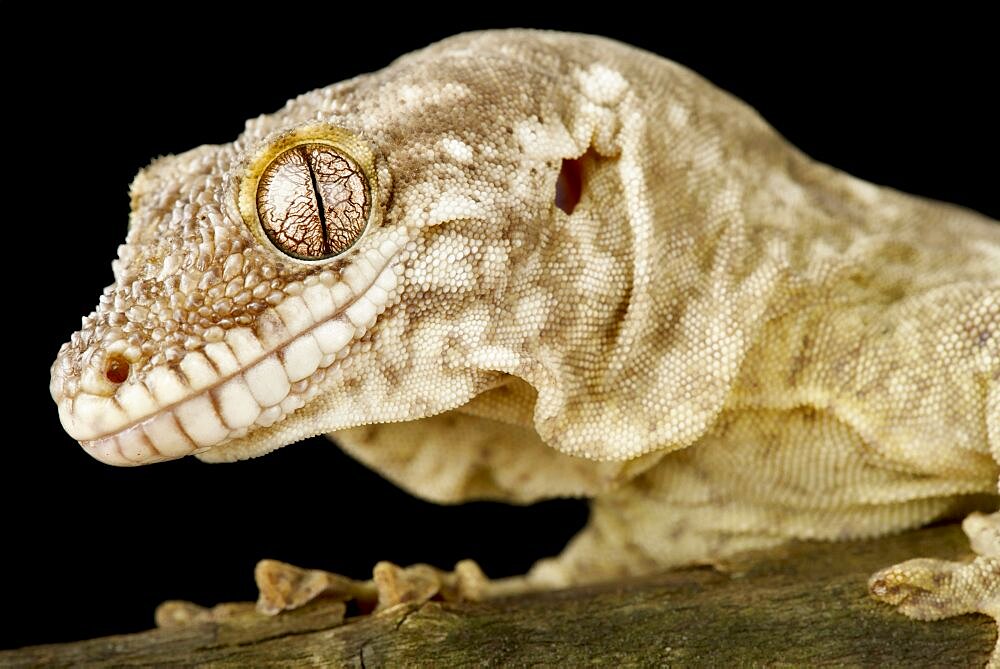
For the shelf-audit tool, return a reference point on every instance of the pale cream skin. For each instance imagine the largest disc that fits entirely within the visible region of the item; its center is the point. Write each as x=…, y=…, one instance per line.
x=722, y=342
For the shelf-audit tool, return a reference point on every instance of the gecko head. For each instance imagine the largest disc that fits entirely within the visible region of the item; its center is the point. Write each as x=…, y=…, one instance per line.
x=345, y=261
x=407, y=242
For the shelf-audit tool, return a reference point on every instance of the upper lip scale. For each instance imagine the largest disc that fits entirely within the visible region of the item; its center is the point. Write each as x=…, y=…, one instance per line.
x=91, y=444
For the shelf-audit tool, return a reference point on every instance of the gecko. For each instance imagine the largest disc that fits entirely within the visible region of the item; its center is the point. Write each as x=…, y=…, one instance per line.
x=519, y=265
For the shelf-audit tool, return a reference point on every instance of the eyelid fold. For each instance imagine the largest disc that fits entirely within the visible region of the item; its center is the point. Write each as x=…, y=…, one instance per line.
x=354, y=151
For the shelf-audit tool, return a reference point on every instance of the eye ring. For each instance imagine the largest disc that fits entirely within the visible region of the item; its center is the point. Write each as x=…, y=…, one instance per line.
x=311, y=193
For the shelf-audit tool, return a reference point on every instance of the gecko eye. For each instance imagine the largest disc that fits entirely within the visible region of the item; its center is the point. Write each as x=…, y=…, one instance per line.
x=313, y=201
x=310, y=191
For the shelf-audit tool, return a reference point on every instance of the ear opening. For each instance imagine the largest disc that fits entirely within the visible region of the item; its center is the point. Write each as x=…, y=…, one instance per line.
x=573, y=177
x=569, y=185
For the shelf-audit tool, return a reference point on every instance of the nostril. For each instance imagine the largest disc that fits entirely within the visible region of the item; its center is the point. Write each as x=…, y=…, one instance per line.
x=117, y=369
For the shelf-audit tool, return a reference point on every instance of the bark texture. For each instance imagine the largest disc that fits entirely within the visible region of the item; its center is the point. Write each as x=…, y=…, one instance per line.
x=804, y=604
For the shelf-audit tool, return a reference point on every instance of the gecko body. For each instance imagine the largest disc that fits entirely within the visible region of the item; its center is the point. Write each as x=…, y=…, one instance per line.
x=519, y=265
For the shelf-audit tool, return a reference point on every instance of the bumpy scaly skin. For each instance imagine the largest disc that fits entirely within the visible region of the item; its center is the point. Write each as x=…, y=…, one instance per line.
x=725, y=343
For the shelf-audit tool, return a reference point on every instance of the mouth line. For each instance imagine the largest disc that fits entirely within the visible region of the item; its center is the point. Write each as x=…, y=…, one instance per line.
x=249, y=390
x=231, y=375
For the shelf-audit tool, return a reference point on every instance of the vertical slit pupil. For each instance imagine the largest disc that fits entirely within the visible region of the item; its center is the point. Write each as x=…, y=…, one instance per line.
x=320, y=205
x=569, y=185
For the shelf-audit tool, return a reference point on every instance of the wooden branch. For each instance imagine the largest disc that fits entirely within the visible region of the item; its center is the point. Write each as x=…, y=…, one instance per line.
x=805, y=604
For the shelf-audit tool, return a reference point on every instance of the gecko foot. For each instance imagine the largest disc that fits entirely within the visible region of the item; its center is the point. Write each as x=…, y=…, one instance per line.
x=928, y=589
x=284, y=587
x=175, y=613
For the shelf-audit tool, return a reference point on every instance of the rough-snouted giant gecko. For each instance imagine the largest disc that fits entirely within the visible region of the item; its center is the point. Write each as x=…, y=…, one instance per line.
x=519, y=265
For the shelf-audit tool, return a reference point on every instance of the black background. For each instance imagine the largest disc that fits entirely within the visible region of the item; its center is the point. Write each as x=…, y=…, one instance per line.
x=89, y=549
